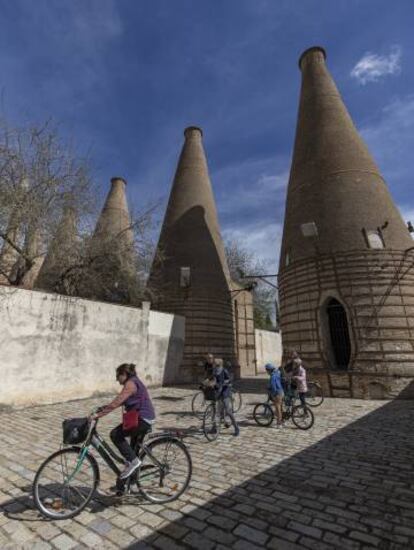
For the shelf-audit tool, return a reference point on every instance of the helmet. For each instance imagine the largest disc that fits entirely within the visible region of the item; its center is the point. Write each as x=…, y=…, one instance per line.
x=269, y=367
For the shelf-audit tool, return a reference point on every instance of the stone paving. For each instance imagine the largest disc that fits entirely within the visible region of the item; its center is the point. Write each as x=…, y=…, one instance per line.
x=347, y=483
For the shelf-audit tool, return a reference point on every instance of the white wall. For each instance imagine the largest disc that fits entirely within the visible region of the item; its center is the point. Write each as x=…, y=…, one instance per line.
x=54, y=348
x=268, y=349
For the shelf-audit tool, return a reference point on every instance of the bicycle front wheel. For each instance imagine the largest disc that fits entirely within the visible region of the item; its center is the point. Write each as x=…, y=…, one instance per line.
x=314, y=395
x=165, y=471
x=198, y=403
x=65, y=483
x=263, y=414
x=302, y=417
x=236, y=399
x=211, y=427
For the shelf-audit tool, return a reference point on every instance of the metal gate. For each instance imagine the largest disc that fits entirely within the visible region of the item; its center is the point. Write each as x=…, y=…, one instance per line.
x=338, y=329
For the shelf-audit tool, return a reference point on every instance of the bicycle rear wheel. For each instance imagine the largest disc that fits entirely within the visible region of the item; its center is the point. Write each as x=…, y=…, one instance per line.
x=236, y=399
x=263, y=414
x=65, y=483
x=314, y=395
x=198, y=404
x=302, y=417
x=211, y=427
x=166, y=481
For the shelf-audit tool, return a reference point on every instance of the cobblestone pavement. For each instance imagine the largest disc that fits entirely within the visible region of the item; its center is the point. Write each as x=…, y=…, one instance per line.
x=347, y=483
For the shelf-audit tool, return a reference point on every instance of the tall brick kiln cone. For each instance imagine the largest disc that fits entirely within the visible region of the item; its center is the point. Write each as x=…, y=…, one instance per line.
x=32, y=248
x=112, y=248
x=346, y=290
x=61, y=255
x=115, y=221
x=192, y=277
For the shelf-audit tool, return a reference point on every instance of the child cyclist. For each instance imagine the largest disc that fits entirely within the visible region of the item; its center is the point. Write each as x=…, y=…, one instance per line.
x=275, y=389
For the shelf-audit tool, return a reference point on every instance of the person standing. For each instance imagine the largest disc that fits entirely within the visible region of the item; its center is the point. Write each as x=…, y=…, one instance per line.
x=209, y=365
x=299, y=377
x=221, y=378
x=276, y=393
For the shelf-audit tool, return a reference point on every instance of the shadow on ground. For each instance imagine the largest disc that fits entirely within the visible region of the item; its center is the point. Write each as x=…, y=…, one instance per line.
x=354, y=489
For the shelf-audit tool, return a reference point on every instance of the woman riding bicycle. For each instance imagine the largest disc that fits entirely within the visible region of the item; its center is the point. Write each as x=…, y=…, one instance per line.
x=134, y=397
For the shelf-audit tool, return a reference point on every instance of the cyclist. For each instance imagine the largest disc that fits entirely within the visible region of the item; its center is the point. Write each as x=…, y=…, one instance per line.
x=208, y=365
x=299, y=377
x=221, y=380
x=134, y=396
x=276, y=393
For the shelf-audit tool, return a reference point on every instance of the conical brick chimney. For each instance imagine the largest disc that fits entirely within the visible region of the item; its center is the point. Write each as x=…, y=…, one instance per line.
x=32, y=249
x=61, y=254
x=343, y=242
x=115, y=221
x=112, y=272
x=192, y=279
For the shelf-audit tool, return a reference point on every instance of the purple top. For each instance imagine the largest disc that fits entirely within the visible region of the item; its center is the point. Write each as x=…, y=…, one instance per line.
x=140, y=400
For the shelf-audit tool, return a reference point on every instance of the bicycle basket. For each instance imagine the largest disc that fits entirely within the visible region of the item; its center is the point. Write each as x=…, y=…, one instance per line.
x=210, y=394
x=75, y=430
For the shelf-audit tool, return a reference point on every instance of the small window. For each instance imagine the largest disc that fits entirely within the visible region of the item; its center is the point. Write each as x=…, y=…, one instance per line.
x=375, y=239
x=287, y=257
x=309, y=229
x=184, y=277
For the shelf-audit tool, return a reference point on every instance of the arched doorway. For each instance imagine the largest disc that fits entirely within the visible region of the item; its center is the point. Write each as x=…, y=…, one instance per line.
x=339, y=333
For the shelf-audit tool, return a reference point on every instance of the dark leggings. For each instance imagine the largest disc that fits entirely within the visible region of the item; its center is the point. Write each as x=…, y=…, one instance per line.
x=128, y=450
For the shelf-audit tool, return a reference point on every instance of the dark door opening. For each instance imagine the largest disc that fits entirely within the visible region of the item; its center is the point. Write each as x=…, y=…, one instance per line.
x=338, y=329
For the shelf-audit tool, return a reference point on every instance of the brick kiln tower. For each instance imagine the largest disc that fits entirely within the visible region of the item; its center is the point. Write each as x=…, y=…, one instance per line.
x=346, y=272
x=192, y=277
x=112, y=251
x=114, y=221
x=61, y=253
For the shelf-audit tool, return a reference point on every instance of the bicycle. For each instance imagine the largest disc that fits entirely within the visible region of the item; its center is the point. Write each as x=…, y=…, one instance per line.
x=67, y=480
x=199, y=403
x=301, y=416
x=212, y=428
x=314, y=395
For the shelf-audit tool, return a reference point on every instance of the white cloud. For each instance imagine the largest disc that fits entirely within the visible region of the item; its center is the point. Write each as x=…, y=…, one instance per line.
x=407, y=213
x=372, y=67
x=263, y=240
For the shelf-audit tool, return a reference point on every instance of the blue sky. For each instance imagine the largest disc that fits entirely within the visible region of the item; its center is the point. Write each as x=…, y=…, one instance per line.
x=125, y=77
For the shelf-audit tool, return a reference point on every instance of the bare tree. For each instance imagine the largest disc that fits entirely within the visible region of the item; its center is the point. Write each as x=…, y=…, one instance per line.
x=48, y=212
x=39, y=177
x=113, y=269
x=243, y=263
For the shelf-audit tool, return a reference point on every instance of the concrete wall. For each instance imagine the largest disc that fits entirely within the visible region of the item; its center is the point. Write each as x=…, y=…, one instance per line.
x=54, y=348
x=268, y=349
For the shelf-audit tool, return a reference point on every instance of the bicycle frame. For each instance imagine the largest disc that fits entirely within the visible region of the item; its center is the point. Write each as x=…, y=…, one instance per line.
x=288, y=402
x=107, y=453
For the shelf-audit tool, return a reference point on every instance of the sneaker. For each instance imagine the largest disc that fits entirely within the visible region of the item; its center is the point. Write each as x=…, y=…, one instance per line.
x=236, y=432
x=130, y=468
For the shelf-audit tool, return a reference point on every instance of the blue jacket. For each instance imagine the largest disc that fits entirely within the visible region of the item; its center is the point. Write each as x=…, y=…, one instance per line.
x=275, y=383
x=222, y=379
